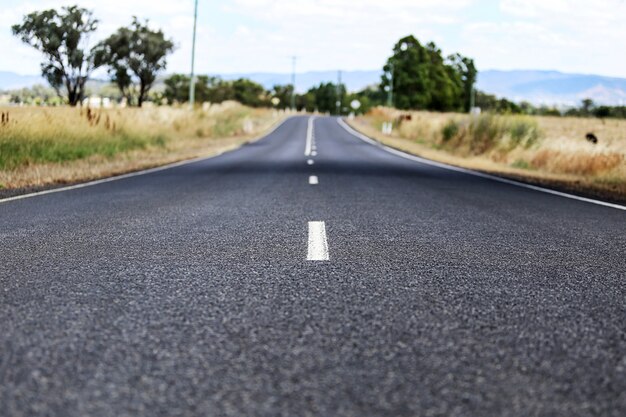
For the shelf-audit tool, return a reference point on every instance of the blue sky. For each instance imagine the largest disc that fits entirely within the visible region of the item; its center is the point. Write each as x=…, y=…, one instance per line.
x=260, y=35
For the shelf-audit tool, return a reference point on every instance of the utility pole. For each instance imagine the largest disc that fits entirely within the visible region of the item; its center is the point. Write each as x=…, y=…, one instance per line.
x=192, y=81
x=390, y=92
x=293, y=82
x=338, y=93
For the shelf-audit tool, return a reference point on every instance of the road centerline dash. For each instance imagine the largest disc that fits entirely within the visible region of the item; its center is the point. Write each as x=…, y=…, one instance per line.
x=309, y=137
x=313, y=180
x=318, y=243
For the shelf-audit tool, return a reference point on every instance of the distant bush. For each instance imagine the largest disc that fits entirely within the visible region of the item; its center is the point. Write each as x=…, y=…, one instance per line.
x=450, y=130
x=523, y=131
x=485, y=130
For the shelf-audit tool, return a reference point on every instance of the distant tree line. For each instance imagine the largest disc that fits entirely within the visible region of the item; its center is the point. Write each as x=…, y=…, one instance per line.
x=133, y=55
x=415, y=76
x=586, y=108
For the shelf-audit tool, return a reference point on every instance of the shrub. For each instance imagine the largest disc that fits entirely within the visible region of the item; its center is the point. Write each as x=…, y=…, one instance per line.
x=485, y=130
x=523, y=131
x=450, y=130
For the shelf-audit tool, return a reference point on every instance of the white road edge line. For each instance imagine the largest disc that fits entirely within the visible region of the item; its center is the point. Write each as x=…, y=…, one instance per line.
x=475, y=173
x=318, y=244
x=313, y=180
x=309, y=137
x=136, y=173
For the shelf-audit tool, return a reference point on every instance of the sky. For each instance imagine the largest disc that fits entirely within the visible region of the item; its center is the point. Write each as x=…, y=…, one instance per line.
x=242, y=36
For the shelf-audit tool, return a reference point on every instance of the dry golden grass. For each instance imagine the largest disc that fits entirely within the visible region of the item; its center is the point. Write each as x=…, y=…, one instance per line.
x=44, y=146
x=542, y=149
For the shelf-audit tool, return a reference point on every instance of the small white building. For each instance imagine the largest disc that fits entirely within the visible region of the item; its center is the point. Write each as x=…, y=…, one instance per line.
x=97, y=102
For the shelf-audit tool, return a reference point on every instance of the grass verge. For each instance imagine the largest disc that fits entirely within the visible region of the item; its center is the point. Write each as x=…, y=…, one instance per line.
x=46, y=147
x=547, y=151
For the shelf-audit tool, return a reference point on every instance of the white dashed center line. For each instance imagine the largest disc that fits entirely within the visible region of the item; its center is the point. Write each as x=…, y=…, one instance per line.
x=313, y=180
x=309, y=137
x=318, y=244
x=310, y=162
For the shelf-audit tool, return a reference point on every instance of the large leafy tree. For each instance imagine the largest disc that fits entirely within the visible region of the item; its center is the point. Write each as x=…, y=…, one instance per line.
x=63, y=39
x=135, y=55
x=423, y=79
x=408, y=70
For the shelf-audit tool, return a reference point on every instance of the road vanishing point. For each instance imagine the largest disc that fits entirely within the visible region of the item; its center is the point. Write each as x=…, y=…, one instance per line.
x=311, y=273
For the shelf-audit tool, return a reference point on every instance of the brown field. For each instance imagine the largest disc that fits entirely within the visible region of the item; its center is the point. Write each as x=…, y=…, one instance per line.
x=547, y=150
x=42, y=147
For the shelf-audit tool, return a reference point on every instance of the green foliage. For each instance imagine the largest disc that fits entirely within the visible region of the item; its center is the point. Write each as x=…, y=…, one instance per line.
x=35, y=95
x=249, y=93
x=15, y=152
x=521, y=164
x=61, y=37
x=283, y=94
x=485, y=130
x=216, y=90
x=449, y=130
x=324, y=97
x=491, y=103
x=523, y=131
x=369, y=98
x=134, y=55
x=423, y=79
x=488, y=131
x=587, y=108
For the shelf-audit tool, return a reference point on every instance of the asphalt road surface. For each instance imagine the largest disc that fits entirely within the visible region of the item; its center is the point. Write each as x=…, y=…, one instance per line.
x=241, y=286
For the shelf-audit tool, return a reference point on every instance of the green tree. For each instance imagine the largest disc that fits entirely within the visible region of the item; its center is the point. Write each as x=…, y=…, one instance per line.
x=445, y=82
x=466, y=71
x=283, y=94
x=407, y=69
x=249, y=93
x=62, y=38
x=177, y=88
x=135, y=55
x=587, y=106
x=369, y=97
x=324, y=97
x=423, y=79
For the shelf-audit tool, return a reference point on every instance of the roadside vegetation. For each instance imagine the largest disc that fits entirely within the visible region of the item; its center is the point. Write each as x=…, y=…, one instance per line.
x=543, y=149
x=40, y=146
x=428, y=96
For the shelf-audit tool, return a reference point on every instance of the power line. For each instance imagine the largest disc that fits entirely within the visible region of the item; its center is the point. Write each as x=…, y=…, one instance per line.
x=192, y=81
x=338, y=103
x=293, y=82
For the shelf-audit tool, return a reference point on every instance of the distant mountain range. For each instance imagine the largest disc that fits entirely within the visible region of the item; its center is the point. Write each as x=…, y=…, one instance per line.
x=538, y=87
x=13, y=81
x=553, y=87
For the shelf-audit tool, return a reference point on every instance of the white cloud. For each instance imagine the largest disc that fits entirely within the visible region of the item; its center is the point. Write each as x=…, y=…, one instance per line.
x=260, y=35
x=573, y=36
